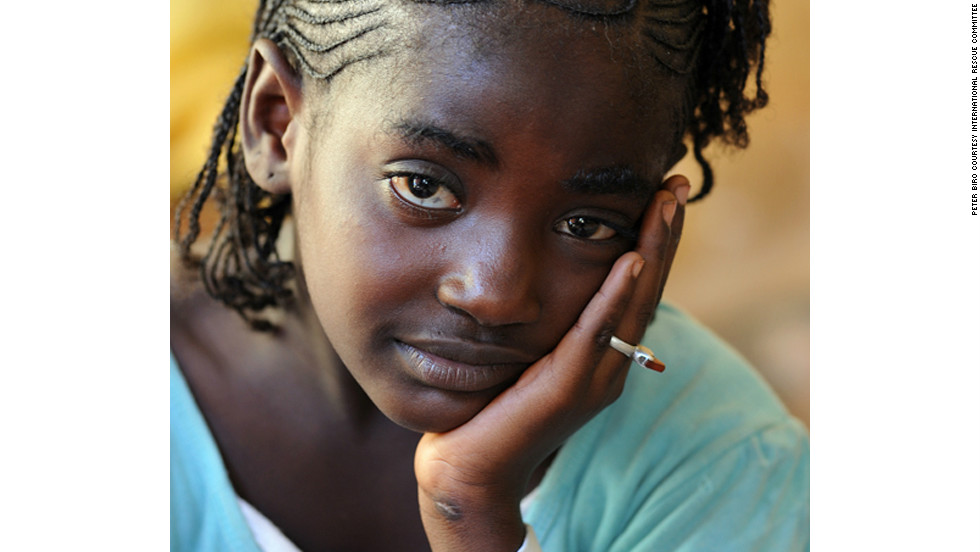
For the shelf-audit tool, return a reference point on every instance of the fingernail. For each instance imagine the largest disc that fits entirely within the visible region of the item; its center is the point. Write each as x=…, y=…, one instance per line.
x=669, y=208
x=682, y=193
x=637, y=267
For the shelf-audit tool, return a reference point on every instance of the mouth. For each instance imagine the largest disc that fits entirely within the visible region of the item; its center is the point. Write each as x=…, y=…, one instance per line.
x=461, y=367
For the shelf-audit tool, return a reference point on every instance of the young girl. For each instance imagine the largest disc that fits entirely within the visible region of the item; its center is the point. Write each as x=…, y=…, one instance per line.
x=436, y=217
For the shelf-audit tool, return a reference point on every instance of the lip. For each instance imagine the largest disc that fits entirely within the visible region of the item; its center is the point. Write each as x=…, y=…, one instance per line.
x=461, y=366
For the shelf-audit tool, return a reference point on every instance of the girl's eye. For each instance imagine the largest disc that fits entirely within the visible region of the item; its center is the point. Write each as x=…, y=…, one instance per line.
x=424, y=191
x=585, y=228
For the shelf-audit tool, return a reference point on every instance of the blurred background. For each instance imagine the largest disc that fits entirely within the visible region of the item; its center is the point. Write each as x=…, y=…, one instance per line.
x=743, y=267
x=744, y=262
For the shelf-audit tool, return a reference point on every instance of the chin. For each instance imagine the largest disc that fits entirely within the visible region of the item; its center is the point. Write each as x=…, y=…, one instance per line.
x=438, y=414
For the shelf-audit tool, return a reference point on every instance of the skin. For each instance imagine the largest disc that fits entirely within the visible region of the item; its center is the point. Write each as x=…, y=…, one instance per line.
x=486, y=276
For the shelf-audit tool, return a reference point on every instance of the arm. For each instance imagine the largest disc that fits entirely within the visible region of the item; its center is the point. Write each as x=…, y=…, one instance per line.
x=471, y=479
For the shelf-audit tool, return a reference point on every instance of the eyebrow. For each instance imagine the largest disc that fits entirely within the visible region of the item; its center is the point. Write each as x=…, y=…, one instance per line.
x=464, y=147
x=615, y=180
x=609, y=180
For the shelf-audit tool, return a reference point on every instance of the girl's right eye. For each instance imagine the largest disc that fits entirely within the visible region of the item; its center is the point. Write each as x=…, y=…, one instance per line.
x=424, y=191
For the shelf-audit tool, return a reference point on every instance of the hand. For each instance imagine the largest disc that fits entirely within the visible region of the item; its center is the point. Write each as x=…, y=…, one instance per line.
x=471, y=479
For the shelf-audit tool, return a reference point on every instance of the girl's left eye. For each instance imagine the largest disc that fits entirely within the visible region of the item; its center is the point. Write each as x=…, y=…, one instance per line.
x=424, y=191
x=586, y=228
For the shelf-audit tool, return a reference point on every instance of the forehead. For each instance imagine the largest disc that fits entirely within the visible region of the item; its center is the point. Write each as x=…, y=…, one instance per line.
x=501, y=71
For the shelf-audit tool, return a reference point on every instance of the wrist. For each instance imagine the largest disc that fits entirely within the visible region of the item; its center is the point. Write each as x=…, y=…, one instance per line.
x=461, y=521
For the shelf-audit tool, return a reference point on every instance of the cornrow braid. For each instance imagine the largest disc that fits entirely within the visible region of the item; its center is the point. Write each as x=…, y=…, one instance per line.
x=241, y=267
x=714, y=44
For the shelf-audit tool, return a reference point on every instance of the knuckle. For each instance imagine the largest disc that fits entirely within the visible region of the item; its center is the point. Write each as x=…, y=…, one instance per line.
x=600, y=341
x=613, y=388
x=644, y=315
x=615, y=392
x=568, y=396
x=571, y=402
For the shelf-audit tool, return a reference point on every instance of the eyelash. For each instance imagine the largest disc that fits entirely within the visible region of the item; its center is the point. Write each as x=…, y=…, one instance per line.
x=406, y=186
x=401, y=183
x=619, y=231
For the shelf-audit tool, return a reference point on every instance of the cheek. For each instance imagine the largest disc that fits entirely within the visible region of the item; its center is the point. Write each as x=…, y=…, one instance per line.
x=570, y=290
x=359, y=268
x=368, y=272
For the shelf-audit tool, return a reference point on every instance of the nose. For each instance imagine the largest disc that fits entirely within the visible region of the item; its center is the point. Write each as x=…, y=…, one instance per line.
x=494, y=280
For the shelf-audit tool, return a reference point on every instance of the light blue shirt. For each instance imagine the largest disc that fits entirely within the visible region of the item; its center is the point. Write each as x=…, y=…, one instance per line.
x=699, y=458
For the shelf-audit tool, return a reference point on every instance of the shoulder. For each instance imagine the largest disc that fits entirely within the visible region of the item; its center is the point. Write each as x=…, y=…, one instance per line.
x=695, y=458
x=204, y=511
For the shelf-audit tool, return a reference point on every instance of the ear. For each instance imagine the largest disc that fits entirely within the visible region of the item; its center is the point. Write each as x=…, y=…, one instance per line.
x=270, y=101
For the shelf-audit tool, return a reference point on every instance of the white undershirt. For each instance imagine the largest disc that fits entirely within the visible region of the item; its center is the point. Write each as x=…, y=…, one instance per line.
x=267, y=535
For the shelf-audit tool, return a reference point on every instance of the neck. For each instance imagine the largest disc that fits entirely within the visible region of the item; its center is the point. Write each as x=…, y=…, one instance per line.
x=297, y=363
x=303, y=336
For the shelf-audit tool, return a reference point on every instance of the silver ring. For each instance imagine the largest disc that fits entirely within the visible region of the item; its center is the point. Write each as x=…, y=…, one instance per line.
x=638, y=354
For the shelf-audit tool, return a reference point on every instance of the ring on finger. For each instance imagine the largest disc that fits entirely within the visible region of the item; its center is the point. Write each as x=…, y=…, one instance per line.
x=638, y=354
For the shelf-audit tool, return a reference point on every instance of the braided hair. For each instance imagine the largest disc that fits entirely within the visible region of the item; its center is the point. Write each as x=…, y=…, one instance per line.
x=716, y=45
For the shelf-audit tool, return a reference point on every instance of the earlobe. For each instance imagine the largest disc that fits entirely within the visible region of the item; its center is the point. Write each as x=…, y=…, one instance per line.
x=270, y=101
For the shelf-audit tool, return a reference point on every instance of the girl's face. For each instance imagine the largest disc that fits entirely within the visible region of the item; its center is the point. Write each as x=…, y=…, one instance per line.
x=457, y=204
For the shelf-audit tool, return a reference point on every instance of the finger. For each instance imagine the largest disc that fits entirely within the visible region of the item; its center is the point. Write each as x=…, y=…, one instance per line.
x=654, y=246
x=680, y=186
x=588, y=341
x=562, y=383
